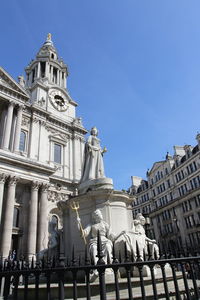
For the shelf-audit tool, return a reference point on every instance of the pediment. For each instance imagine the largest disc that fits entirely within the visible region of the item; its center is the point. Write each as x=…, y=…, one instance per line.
x=156, y=165
x=61, y=137
x=11, y=85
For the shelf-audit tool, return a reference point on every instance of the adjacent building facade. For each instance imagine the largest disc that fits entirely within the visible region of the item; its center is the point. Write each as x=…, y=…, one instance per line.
x=41, y=151
x=170, y=197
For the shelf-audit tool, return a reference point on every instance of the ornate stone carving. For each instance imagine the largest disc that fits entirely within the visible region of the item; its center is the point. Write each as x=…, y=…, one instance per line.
x=35, y=120
x=3, y=177
x=77, y=121
x=25, y=122
x=41, y=102
x=54, y=196
x=13, y=180
x=35, y=185
x=45, y=187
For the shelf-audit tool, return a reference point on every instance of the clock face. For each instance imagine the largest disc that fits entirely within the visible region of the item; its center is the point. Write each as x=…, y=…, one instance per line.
x=58, y=100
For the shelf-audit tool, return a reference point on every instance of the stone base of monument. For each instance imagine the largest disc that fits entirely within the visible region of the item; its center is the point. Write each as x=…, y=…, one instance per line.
x=115, y=206
x=95, y=184
x=110, y=288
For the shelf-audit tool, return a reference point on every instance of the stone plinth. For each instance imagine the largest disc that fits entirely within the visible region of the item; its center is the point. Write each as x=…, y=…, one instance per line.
x=95, y=184
x=116, y=209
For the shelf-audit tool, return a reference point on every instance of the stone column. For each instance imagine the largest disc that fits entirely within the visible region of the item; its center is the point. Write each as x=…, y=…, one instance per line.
x=2, y=182
x=32, y=220
x=8, y=217
x=51, y=75
x=18, y=128
x=47, y=69
x=43, y=219
x=76, y=158
x=58, y=78
x=61, y=84
x=65, y=81
x=38, y=70
x=8, y=125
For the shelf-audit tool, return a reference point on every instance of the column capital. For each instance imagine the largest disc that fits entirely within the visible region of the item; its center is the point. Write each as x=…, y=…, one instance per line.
x=11, y=103
x=13, y=180
x=3, y=177
x=21, y=106
x=35, y=185
x=45, y=187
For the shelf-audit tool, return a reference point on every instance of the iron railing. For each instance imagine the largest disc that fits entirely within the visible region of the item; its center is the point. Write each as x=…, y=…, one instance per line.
x=124, y=278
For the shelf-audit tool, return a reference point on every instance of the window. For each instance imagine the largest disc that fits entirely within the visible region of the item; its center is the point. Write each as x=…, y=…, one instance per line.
x=54, y=75
x=190, y=221
x=22, y=141
x=33, y=75
x=197, y=200
x=168, y=183
x=16, y=217
x=42, y=65
x=57, y=153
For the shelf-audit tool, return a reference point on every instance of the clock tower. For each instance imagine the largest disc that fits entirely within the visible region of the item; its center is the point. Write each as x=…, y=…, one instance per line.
x=46, y=82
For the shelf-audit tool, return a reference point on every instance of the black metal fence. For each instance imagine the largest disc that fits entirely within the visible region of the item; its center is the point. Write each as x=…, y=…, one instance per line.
x=124, y=278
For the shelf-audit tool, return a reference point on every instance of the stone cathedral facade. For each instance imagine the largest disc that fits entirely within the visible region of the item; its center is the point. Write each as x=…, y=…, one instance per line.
x=41, y=151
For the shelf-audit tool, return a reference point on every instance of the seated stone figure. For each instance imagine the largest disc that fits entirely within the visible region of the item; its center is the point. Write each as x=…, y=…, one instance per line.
x=107, y=238
x=137, y=236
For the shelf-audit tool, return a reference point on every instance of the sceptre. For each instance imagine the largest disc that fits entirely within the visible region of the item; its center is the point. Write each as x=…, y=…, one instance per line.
x=75, y=207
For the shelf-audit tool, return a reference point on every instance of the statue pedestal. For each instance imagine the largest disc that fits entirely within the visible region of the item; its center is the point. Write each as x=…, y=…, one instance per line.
x=95, y=184
x=115, y=207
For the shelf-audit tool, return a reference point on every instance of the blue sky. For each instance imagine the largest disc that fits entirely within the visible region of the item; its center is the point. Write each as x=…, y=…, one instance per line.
x=134, y=70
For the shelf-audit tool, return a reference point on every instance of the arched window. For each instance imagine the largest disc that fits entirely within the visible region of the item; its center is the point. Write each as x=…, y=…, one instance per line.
x=57, y=153
x=16, y=217
x=22, y=141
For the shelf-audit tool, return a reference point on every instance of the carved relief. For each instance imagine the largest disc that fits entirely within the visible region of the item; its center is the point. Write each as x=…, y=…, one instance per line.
x=41, y=102
x=54, y=196
x=25, y=122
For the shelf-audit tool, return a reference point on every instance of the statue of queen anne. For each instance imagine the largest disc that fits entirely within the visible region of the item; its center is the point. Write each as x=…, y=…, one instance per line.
x=93, y=167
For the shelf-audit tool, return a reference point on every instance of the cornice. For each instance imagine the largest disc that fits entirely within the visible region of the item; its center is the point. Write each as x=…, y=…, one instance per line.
x=8, y=93
x=26, y=163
